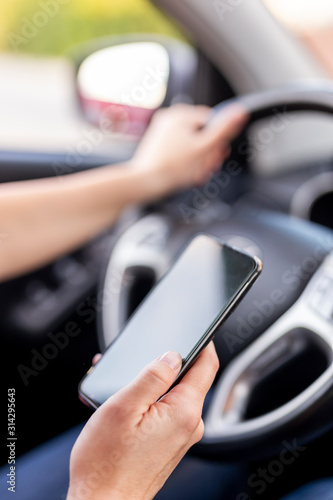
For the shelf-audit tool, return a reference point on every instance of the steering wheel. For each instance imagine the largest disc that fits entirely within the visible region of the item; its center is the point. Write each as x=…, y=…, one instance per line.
x=276, y=350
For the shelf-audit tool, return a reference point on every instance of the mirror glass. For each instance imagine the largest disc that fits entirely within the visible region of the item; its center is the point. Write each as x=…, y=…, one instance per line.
x=121, y=86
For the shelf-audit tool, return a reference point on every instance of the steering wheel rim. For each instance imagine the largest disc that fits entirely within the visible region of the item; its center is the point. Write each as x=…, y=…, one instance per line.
x=316, y=96
x=226, y=435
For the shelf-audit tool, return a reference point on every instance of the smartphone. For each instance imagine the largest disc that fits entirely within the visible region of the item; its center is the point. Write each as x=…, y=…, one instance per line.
x=182, y=312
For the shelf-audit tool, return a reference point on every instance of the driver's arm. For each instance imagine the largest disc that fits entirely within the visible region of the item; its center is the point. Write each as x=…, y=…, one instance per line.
x=42, y=219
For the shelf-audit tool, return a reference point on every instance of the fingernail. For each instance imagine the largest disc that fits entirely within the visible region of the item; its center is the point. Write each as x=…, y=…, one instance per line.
x=171, y=358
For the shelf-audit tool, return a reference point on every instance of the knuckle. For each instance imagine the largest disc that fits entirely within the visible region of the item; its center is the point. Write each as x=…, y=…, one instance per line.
x=181, y=106
x=115, y=411
x=199, y=432
x=213, y=360
x=190, y=420
x=160, y=115
x=158, y=375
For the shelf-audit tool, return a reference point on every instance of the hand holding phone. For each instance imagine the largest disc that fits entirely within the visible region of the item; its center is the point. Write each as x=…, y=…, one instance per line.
x=134, y=441
x=182, y=313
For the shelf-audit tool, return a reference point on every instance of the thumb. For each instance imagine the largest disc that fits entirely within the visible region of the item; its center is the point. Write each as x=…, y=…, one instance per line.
x=226, y=125
x=154, y=380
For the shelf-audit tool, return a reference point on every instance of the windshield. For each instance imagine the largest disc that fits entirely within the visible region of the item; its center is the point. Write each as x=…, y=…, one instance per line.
x=312, y=22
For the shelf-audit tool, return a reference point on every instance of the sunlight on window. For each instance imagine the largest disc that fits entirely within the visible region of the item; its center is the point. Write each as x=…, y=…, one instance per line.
x=312, y=22
x=301, y=15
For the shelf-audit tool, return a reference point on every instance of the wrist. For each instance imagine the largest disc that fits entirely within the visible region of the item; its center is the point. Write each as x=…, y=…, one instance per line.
x=151, y=183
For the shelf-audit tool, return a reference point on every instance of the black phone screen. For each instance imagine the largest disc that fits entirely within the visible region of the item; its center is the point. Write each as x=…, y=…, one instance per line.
x=179, y=311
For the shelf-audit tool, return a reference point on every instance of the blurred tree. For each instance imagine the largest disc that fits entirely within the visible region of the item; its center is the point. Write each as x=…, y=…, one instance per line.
x=51, y=27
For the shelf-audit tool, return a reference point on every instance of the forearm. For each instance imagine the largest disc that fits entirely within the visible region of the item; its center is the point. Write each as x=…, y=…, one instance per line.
x=43, y=219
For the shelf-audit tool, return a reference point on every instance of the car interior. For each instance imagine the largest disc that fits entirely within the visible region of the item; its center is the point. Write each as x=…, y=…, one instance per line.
x=272, y=198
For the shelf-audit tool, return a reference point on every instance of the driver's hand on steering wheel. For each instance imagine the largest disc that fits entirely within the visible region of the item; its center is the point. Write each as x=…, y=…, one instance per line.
x=176, y=152
x=132, y=443
x=179, y=151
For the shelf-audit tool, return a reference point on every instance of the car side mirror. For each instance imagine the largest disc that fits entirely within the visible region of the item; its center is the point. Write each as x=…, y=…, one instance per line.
x=121, y=86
